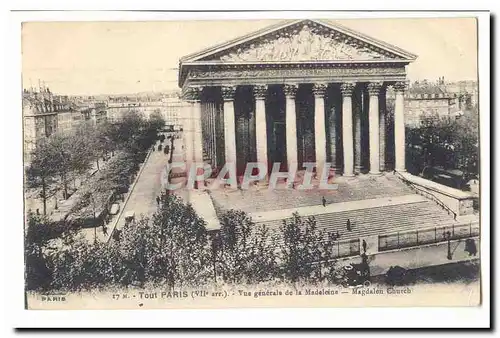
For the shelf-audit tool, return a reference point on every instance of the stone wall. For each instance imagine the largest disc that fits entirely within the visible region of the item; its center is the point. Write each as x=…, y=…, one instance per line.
x=459, y=201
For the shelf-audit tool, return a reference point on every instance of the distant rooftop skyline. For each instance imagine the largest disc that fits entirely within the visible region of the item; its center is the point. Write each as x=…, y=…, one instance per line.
x=96, y=58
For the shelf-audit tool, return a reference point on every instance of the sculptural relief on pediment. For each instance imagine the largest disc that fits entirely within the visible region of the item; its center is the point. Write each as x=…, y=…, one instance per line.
x=304, y=44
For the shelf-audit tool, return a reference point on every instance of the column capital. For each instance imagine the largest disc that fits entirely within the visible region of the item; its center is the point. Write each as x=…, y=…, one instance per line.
x=259, y=91
x=290, y=90
x=193, y=93
x=319, y=89
x=399, y=87
x=347, y=88
x=228, y=92
x=374, y=87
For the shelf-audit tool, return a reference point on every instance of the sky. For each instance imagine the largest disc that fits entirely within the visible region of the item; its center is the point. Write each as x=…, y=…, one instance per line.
x=88, y=58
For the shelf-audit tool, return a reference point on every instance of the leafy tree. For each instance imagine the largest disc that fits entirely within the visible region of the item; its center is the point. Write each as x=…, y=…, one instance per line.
x=304, y=250
x=118, y=173
x=101, y=141
x=77, y=266
x=38, y=273
x=445, y=141
x=40, y=233
x=246, y=253
x=156, y=121
x=71, y=155
x=170, y=248
x=41, y=172
x=128, y=131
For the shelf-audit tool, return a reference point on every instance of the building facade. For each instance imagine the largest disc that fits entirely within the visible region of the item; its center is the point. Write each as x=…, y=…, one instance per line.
x=170, y=108
x=45, y=114
x=301, y=91
x=426, y=99
x=40, y=116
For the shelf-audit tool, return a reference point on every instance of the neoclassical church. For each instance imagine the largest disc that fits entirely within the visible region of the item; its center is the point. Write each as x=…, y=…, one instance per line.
x=300, y=91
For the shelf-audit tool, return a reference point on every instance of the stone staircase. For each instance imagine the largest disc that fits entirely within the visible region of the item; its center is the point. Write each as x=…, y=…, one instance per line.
x=263, y=199
x=380, y=220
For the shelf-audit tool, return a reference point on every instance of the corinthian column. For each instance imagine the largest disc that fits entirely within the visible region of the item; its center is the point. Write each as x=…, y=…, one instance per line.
x=319, y=125
x=259, y=92
x=229, y=124
x=347, y=137
x=188, y=128
x=399, y=127
x=382, y=132
x=291, y=125
x=197, y=131
x=373, y=114
x=358, y=98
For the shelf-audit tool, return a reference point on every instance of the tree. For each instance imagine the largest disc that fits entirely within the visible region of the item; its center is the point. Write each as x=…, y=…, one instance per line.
x=71, y=155
x=118, y=173
x=39, y=251
x=246, y=253
x=41, y=172
x=170, y=248
x=81, y=265
x=37, y=273
x=101, y=141
x=445, y=141
x=128, y=131
x=156, y=120
x=304, y=249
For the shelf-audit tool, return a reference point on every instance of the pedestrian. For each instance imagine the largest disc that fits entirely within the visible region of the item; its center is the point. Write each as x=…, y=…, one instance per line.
x=364, y=246
x=38, y=211
x=473, y=247
x=470, y=247
x=157, y=200
x=348, y=225
x=364, y=258
x=337, y=236
x=104, y=230
x=323, y=200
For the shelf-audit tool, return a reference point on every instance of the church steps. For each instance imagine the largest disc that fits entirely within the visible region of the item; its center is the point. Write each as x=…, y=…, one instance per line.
x=382, y=220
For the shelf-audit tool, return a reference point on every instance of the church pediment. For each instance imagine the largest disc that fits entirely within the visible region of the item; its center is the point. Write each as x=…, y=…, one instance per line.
x=303, y=41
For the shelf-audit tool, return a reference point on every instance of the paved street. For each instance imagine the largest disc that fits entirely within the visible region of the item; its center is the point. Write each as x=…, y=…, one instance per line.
x=33, y=201
x=142, y=198
x=417, y=257
x=178, y=156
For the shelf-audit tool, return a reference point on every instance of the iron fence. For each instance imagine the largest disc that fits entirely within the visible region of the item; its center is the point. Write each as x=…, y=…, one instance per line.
x=427, y=236
x=346, y=248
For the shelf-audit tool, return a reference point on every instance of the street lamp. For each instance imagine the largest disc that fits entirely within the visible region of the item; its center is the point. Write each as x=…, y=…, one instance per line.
x=91, y=196
x=448, y=237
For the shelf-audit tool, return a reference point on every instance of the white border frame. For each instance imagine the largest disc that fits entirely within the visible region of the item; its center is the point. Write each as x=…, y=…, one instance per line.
x=338, y=317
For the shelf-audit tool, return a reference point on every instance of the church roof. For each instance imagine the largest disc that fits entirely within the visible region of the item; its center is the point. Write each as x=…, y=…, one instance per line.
x=298, y=41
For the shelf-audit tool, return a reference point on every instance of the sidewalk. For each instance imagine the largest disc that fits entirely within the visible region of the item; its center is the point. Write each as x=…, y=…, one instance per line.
x=179, y=156
x=416, y=257
x=142, y=198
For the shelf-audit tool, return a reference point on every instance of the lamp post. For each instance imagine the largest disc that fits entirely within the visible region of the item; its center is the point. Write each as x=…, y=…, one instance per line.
x=94, y=217
x=448, y=237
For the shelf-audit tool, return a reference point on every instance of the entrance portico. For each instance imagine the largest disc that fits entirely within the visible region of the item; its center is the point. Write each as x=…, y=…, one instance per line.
x=302, y=91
